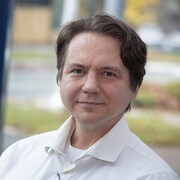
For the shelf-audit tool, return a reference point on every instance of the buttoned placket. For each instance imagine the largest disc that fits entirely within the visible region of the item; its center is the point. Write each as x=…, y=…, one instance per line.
x=65, y=165
x=67, y=168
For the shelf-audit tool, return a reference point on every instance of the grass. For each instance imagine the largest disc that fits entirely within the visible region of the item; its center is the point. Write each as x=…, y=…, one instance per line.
x=153, y=130
x=145, y=99
x=29, y=55
x=160, y=96
x=31, y=120
x=173, y=89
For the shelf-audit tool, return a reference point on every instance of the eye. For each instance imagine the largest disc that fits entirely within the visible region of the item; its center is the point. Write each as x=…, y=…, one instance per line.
x=77, y=71
x=109, y=74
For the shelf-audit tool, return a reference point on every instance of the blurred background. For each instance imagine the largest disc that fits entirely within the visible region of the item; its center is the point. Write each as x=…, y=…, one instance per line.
x=32, y=103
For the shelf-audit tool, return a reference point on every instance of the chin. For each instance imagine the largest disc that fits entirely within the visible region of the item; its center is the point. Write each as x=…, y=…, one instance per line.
x=88, y=117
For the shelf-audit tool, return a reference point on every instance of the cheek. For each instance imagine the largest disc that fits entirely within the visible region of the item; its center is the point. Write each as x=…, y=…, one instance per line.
x=68, y=91
x=122, y=96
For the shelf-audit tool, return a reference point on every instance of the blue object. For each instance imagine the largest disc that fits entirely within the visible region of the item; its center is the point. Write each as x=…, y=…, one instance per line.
x=6, y=9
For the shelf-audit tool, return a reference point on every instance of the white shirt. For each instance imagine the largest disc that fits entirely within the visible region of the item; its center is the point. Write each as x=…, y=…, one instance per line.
x=118, y=155
x=73, y=153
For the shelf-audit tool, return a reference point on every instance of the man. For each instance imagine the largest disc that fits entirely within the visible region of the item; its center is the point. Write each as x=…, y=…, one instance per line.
x=100, y=62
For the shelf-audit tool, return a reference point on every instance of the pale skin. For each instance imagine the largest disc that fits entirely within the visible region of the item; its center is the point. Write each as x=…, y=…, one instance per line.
x=94, y=87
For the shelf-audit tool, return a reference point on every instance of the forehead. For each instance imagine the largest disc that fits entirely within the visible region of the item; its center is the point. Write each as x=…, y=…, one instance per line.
x=90, y=46
x=97, y=51
x=94, y=38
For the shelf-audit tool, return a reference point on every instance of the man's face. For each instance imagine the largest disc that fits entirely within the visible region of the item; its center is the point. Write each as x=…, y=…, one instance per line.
x=95, y=85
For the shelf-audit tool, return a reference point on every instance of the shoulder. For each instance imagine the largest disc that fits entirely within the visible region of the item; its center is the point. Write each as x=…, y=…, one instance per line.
x=28, y=144
x=161, y=175
x=145, y=162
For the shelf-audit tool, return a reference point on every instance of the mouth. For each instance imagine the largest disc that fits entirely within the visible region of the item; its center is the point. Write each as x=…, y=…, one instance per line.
x=90, y=103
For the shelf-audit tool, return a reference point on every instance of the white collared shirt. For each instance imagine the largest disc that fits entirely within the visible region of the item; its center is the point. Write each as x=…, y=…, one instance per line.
x=118, y=155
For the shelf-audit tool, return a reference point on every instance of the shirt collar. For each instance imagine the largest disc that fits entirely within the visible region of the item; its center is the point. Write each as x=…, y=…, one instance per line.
x=59, y=141
x=109, y=147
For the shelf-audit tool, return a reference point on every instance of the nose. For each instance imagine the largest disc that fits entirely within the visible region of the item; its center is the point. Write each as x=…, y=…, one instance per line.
x=90, y=84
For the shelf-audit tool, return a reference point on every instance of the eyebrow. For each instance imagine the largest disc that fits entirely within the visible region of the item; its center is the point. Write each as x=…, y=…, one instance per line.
x=76, y=65
x=112, y=68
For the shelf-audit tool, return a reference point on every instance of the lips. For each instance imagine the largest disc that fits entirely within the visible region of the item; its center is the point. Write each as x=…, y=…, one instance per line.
x=90, y=102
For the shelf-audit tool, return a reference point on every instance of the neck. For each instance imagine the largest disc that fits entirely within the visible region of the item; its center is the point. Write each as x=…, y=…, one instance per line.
x=83, y=138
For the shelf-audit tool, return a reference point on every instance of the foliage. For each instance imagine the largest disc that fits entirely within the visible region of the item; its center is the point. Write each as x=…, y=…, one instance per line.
x=152, y=130
x=29, y=119
x=137, y=12
x=174, y=89
x=31, y=55
x=159, y=96
x=145, y=99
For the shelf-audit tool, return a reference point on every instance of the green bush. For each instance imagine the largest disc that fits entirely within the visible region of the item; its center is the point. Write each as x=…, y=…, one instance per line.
x=145, y=99
x=173, y=89
x=150, y=127
x=24, y=56
x=31, y=120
